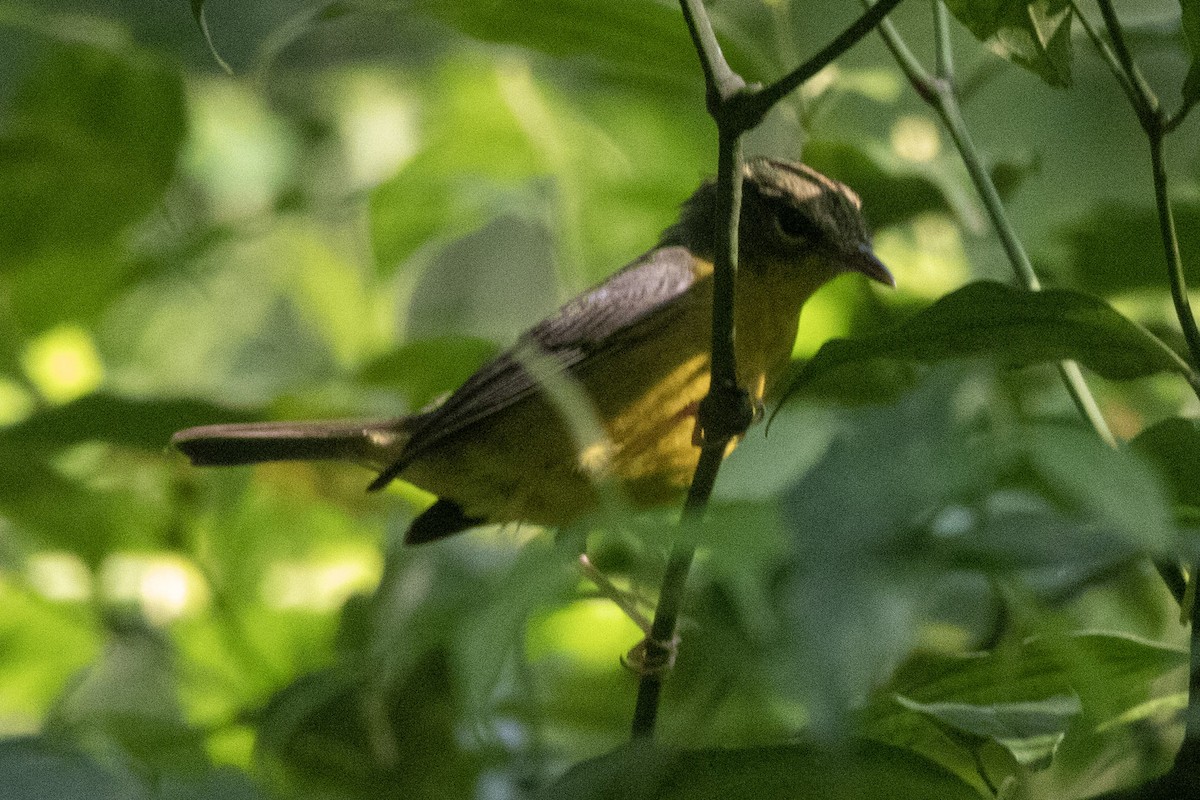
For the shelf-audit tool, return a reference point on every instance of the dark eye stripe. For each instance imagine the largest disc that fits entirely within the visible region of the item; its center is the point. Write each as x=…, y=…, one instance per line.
x=795, y=224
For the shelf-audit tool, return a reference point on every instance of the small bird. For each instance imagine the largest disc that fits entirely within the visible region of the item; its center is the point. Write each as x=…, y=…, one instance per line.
x=499, y=449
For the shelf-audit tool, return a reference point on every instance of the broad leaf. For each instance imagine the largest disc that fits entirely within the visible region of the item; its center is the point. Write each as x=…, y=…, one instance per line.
x=861, y=770
x=643, y=37
x=1033, y=33
x=1031, y=731
x=1117, y=247
x=1173, y=447
x=1017, y=328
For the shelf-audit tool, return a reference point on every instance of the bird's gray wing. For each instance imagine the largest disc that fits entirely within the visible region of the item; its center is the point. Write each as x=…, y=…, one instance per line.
x=630, y=305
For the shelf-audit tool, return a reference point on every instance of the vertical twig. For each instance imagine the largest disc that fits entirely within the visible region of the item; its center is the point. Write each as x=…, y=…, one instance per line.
x=726, y=411
x=938, y=92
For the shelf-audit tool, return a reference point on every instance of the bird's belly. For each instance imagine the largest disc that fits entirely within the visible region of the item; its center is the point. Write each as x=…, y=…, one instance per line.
x=526, y=463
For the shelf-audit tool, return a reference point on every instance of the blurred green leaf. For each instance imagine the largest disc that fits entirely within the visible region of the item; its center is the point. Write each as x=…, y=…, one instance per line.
x=637, y=37
x=465, y=291
x=861, y=770
x=1016, y=327
x=90, y=143
x=1173, y=447
x=1031, y=731
x=849, y=596
x=894, y=189
x=1033, y=33
x=124, y=421
x=427, y=368
x=476, y=143
x=1117, y=247
x=1115, y=487
x=129, y=696
x=544, y=571
x=1190, y=23
x=350, y=732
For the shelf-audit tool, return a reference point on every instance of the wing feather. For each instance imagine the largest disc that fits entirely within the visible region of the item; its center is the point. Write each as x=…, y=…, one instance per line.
x=629, y=306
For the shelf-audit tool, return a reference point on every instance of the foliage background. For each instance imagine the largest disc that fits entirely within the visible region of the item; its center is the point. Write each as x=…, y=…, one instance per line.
x=380, y=196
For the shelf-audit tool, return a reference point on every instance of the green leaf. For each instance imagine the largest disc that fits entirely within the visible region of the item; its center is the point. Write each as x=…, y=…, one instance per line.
x=1173, y=447
x=1190, y=22
x=1117, y=247
x=861, y=770
x=850, y=595
x=89, y=145
x=1018, y=328
x=143, y=424
x=1118, y=679
x=1031, y=731
x=1033, y=33
x=426, y=368
x=894, y=189
x=462, y=291
x=1113, y=487
x=642, y=38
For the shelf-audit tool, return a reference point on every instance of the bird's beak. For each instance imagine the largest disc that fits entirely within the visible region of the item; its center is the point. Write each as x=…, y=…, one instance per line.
x=865, y=261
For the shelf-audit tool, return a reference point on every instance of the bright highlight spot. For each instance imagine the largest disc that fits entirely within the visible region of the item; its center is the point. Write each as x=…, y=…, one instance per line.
x=59, y=576
x=927, y=255
x=594, y=633
x=379, y=127
x=165, y=587
x=63, y=364
x=316, y=586
x=915, y=138
x=826, y=314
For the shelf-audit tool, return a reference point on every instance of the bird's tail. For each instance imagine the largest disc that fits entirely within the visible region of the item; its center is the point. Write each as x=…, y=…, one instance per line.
x=374, y=443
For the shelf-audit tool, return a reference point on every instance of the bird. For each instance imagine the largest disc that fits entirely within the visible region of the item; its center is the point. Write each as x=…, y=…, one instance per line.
x=502, y=449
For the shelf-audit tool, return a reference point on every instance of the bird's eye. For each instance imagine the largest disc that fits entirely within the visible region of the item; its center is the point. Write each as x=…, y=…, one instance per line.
x=795, y=225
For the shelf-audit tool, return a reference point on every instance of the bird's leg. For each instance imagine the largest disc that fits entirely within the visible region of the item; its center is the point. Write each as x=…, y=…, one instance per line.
x=635, y=659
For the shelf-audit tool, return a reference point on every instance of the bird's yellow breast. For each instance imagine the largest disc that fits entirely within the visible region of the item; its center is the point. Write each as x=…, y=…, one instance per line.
x=523, y=463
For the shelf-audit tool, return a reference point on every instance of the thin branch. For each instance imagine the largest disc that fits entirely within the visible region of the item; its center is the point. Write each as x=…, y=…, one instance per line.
x=939, y=93
x=1146, y=105
x=766, y=99
x=726, y=411
x=1156, y=126
x=1110, y=58
x=1170, y=239
x=720, y=79
x=943, y=65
